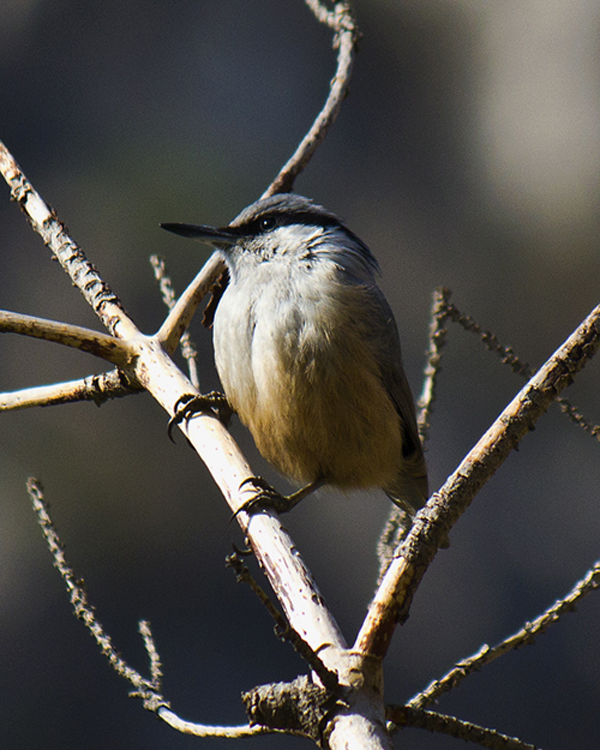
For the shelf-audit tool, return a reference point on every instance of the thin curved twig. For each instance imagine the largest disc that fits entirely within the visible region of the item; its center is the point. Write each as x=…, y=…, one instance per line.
x=346, y=34
x=183, y=310
x=210, y=730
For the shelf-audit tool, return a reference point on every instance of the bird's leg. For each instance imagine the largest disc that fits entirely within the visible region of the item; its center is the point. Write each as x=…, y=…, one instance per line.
x=268, y=497
x=190, y=403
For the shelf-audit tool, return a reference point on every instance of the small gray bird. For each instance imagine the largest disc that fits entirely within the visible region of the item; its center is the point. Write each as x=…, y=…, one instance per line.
x=307, y=351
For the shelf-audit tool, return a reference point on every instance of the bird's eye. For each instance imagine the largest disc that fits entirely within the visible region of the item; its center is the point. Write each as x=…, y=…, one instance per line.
x=266, y=223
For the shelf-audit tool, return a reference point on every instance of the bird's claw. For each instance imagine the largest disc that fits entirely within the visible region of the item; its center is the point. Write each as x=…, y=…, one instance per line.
x=268, y=497
x=192, y=403
x=265, y=497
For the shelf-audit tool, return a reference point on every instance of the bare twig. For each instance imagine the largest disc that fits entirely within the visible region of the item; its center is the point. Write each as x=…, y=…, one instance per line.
x=282, y=627
x=490, y=340
x=209, y=730
x=525, y=635
x=150, y=646
x=346, y=34
x=188, y=350
x=432, y=523
x=463, y=730
x=83, y=610
x=576, y=416
x=96, y=388
x=148, y=690
x=517, y=365
x=437, y=340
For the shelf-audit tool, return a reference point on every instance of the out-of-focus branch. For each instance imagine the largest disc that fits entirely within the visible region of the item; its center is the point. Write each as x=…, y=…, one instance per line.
x=437, y=340
x=188, y=350
x=148, y=690
x=96, y=388
x=394, y=595
x=525, y=635
x=346, y=34
x=517, y=365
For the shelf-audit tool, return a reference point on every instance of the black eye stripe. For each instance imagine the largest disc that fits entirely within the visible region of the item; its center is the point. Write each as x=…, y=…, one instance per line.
x=271, y=220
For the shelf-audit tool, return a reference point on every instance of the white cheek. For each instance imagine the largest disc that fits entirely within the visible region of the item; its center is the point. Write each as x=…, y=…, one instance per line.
x=292, y=239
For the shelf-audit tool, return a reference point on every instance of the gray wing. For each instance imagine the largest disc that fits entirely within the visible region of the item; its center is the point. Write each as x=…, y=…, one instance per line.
x=410, y=488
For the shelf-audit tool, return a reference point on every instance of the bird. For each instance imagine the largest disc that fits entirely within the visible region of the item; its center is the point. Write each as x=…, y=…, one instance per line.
x=308, y=353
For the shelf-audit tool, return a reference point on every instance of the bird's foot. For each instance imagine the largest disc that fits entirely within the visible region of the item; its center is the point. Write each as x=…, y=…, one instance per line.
x=191, y=403
x=268, y=497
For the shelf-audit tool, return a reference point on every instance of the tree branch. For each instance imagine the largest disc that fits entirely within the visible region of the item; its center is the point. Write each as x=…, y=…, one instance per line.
x=148, y=690
x=393, y=597
x=79, y=601
x=183, y=310
x=524, y=636
x=210, y=730
x=346, y=34
x=113, y=350
x=54, y=234
x=96, y=388
x=188, y=350
x=437, y=341
x=450, y=725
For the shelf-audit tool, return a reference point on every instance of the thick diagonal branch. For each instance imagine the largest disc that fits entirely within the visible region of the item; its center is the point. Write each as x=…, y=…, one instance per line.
x=394, y=595
x=70, y=256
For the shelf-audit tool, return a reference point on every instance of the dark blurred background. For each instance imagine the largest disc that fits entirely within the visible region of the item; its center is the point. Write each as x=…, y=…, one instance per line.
x=467, y=154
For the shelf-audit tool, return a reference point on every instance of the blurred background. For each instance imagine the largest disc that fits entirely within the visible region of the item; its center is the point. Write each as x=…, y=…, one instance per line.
x=467, y=154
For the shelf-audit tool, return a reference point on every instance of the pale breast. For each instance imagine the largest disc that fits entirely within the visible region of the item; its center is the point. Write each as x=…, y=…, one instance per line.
x=302, y=373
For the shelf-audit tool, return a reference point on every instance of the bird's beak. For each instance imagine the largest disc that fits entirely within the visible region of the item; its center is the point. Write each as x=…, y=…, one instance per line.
x=203, y=233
